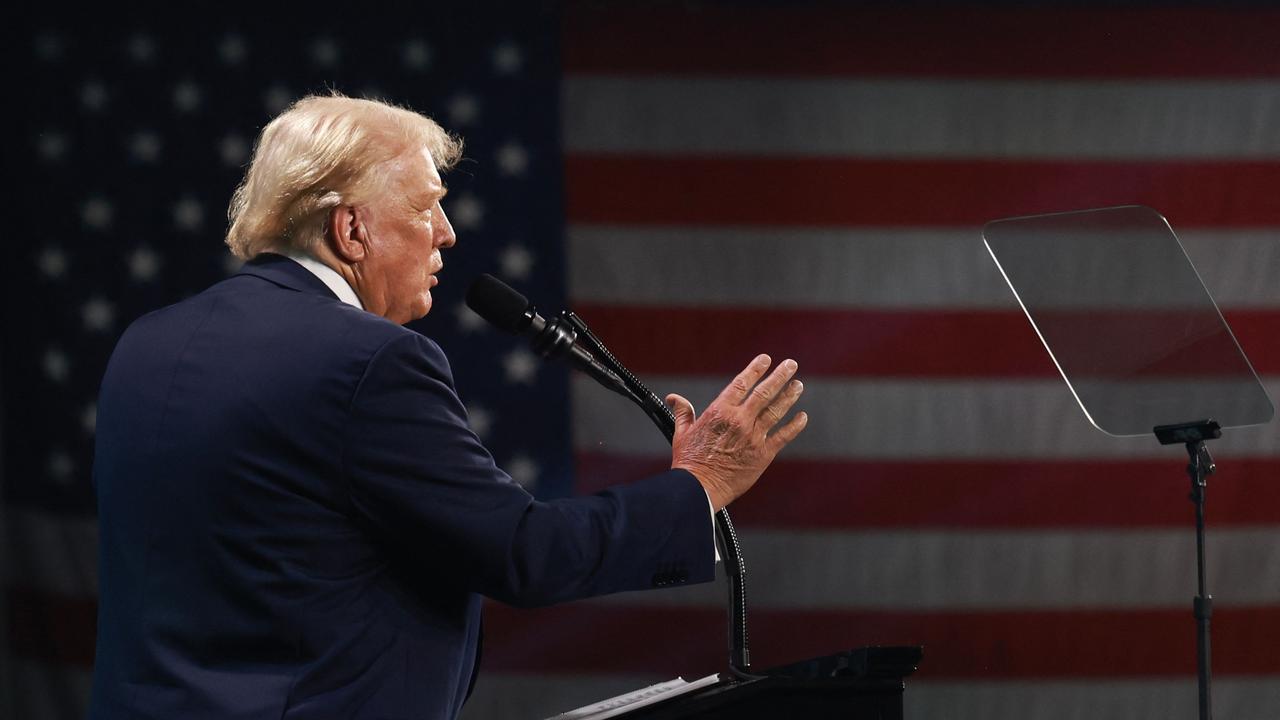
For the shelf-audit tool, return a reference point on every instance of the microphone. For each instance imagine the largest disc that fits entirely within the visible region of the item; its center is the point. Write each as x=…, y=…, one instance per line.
x=508, y=310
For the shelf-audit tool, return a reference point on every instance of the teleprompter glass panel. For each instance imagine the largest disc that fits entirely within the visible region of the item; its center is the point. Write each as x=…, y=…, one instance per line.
x=1125, y=317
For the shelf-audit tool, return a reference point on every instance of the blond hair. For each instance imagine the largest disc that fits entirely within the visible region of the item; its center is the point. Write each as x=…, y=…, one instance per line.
x=324, y=151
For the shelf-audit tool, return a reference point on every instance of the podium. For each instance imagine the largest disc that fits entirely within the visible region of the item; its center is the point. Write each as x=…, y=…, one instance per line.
x=862, y=684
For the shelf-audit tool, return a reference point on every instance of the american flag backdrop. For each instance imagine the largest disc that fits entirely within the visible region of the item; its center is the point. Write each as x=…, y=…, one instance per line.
x=702, y=183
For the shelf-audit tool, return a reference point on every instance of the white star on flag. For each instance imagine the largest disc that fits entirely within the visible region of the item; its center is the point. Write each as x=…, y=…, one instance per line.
x=516, y=261
x=467, y=212
x=232, y=50
x=277, y=98
x=468, y=320
x=187, y=214
x=234, y=150
x=97, y=213
x=98, y=314
x=463, y=109
x=60, y=466
x=513, y=159
x=416, y=54
x=52, y=146
x=480, y=420
x=187, y=96
x=143, y=264
x=145, y=147
x=52, y=262
x=324, y=52
x=520, y=366
x=48, y=47
x=56, y=365
x=141, y=48
x=523, y=470
x=89, y=418
x=93, y=95
x=507, y=58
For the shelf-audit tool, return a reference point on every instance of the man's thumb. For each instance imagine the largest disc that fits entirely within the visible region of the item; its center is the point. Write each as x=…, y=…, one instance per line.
x=682, y=409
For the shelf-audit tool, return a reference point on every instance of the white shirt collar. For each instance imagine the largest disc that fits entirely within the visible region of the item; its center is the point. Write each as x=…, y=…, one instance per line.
x=327, y=275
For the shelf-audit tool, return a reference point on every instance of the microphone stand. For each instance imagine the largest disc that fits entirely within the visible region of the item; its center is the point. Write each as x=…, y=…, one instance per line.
x=569, y=328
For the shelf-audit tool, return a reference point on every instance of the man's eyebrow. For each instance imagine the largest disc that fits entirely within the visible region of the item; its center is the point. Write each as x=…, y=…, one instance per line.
x=433, y=195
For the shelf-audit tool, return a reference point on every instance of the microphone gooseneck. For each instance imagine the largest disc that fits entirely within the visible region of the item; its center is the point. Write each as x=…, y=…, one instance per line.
x=568, y=337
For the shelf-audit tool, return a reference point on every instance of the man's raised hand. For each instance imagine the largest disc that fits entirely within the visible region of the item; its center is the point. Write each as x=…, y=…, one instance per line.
x=738, y=435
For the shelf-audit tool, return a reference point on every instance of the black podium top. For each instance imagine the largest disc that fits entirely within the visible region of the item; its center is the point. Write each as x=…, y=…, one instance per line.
x=862, y=684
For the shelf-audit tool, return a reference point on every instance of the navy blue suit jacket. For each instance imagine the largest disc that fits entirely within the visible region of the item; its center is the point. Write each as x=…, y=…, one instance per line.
x=296, y=521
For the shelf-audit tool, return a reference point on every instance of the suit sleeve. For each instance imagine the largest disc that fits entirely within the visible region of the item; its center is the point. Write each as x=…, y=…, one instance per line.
x=421, y=479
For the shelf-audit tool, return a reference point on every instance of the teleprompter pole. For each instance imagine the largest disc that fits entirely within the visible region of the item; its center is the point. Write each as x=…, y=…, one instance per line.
x=1199, y=467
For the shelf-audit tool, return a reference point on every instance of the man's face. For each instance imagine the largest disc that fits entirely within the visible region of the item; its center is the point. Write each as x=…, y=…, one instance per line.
x=406, y=229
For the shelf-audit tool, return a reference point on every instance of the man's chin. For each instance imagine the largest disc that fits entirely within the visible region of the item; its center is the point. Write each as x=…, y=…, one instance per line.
x=420, y=308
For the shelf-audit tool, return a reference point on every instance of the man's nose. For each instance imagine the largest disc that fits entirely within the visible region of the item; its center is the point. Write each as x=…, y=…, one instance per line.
x=444, y=231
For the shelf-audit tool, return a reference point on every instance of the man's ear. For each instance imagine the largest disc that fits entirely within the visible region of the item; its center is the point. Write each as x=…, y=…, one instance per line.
x=346, y=234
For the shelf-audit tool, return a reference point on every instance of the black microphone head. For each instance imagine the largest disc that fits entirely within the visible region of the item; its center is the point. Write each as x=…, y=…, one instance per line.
x=498, y=303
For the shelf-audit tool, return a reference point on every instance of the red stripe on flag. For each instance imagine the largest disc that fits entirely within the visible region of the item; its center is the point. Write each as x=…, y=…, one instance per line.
x=51, y=627
x=846, y=342
x=961, y=42
x=588, y=639
x=816, y=192
x=806, y=494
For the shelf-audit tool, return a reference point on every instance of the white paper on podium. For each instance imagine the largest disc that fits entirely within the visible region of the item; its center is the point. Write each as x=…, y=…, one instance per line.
x=626, y=702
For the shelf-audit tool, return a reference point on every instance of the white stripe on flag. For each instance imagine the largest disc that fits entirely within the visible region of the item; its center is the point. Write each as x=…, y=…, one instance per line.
x=913, y=570
x=893, y=268
x=51, y=552
x=973, y=570
x=47, y=690
x=922, y=118
x=1236, y=698
x=910, y=419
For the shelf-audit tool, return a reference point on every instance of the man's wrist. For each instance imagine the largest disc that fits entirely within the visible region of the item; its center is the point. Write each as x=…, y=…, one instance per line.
x=716, y=495
x=711, y=506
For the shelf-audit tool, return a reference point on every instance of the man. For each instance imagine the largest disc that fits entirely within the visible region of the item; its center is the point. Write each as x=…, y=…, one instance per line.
x=296, y=521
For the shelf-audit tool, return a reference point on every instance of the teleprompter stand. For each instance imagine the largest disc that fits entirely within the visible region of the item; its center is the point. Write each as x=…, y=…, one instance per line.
x=1139, y=342
x=862, y=684
x=1199, y=467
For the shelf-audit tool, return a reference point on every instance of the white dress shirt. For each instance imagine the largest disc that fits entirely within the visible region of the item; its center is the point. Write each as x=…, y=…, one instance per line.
x=327, y=275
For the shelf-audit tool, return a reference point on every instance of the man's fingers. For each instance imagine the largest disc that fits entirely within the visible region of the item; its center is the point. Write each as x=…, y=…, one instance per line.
x=736, y=391
x=788, y=432
x=781, y=404
x=770, y=387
